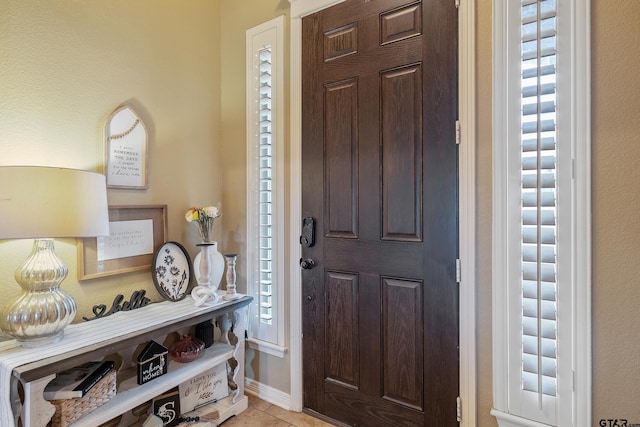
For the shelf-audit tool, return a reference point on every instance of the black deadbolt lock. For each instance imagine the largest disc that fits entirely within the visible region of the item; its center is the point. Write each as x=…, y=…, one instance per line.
x=308, y=232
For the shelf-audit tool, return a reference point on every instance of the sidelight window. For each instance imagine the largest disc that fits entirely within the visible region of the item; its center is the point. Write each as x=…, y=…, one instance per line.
x=265, y=192
x=541, y=213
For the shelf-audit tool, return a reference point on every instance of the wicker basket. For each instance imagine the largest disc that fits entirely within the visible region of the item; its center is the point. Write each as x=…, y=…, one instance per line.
x=69, y=410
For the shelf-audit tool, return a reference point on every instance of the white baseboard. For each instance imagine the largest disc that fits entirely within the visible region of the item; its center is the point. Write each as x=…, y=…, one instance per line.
x=268, y=394
x=508, y=420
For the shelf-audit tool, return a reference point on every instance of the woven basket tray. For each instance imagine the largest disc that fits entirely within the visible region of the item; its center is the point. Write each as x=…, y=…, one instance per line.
x=69, y=410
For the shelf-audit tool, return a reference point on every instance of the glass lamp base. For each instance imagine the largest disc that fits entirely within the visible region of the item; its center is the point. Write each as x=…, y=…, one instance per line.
x=37, y=342
x=42, y=310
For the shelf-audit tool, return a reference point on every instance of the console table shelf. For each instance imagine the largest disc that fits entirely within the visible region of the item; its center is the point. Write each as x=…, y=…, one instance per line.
x=122, y=335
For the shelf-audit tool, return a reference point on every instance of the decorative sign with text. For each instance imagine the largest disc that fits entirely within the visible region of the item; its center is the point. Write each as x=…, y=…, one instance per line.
x=208, y=387
x=137, y=300
x=126, y=143
x=167, y=408
x=152, y=362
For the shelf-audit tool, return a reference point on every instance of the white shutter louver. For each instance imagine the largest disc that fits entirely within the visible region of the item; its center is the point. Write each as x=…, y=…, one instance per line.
x=266, y=209
x=538, y=196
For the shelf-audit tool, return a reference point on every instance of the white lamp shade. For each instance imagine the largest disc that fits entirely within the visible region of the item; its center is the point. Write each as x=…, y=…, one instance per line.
x=46, y=202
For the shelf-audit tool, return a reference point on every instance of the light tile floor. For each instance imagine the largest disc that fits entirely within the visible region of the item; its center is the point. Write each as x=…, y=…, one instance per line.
x=263, y=414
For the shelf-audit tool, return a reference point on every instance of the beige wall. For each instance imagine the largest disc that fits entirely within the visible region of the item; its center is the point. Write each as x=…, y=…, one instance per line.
x=66, y=65
x=238, y=16
x=616, y=198
x=484, y=210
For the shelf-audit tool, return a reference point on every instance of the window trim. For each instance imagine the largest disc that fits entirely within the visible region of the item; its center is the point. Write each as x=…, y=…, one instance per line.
x=578, y=95
x=272, y=33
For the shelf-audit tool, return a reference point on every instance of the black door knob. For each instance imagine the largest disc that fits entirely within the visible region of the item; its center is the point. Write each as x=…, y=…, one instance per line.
x=306, y=264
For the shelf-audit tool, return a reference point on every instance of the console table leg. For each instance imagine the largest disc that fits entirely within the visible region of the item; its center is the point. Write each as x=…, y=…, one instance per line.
x=240, y=327
x=36, y=411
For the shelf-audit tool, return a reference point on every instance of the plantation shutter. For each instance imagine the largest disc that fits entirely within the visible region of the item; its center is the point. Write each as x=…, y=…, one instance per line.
x=266, y=207
x=266, y=244
x=538, y=193
x=541, y=218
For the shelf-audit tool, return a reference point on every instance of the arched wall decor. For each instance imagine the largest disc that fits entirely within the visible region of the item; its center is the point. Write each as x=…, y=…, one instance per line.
x=126, y=150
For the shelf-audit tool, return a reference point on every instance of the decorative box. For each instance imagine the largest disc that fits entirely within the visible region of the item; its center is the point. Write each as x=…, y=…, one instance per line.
x=204, y=331
x=152, y=362
x=69, y=410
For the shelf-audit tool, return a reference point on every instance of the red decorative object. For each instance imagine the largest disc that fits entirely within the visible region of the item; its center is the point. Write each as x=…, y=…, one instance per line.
x=187, y=349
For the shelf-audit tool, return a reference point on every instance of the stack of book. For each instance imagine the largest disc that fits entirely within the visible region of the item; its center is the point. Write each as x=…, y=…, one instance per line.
x=77, y=381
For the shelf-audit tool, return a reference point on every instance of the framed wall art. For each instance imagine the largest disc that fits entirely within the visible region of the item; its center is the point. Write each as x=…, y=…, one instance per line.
x=136, y=233
x=126, y=150
x=171, y=271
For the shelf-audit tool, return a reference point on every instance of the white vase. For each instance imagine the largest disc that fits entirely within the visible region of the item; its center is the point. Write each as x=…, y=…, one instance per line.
x=208, y=265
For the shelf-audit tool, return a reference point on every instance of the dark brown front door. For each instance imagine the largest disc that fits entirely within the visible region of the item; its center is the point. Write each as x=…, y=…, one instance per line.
x=380, y=301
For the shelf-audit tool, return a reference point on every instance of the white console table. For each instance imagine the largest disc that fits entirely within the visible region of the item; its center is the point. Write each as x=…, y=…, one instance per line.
x=121, y=333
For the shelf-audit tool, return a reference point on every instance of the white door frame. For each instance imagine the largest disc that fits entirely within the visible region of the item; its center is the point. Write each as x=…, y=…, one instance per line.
x=467, y=194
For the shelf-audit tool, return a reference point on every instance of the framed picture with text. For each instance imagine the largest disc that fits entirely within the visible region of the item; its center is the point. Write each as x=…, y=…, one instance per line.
x=136, y=233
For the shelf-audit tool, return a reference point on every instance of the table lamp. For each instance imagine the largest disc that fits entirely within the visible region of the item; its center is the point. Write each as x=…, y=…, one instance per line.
x=42, y=203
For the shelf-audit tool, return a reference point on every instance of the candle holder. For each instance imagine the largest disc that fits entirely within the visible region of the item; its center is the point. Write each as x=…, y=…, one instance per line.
x=231, y=277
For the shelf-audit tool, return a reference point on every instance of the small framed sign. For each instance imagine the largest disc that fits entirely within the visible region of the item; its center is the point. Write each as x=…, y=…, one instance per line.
x=167, y=408
x=126, y=150
x=208, y=387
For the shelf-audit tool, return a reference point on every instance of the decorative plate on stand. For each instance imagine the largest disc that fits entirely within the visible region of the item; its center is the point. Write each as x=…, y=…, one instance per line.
x=172, y=271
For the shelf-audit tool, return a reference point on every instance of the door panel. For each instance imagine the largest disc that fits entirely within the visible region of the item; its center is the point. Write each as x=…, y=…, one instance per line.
x=342, y=329
x=401, y=163
x=341, y=151
x=403, y=342
x=401, y=23
x=379, y=159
